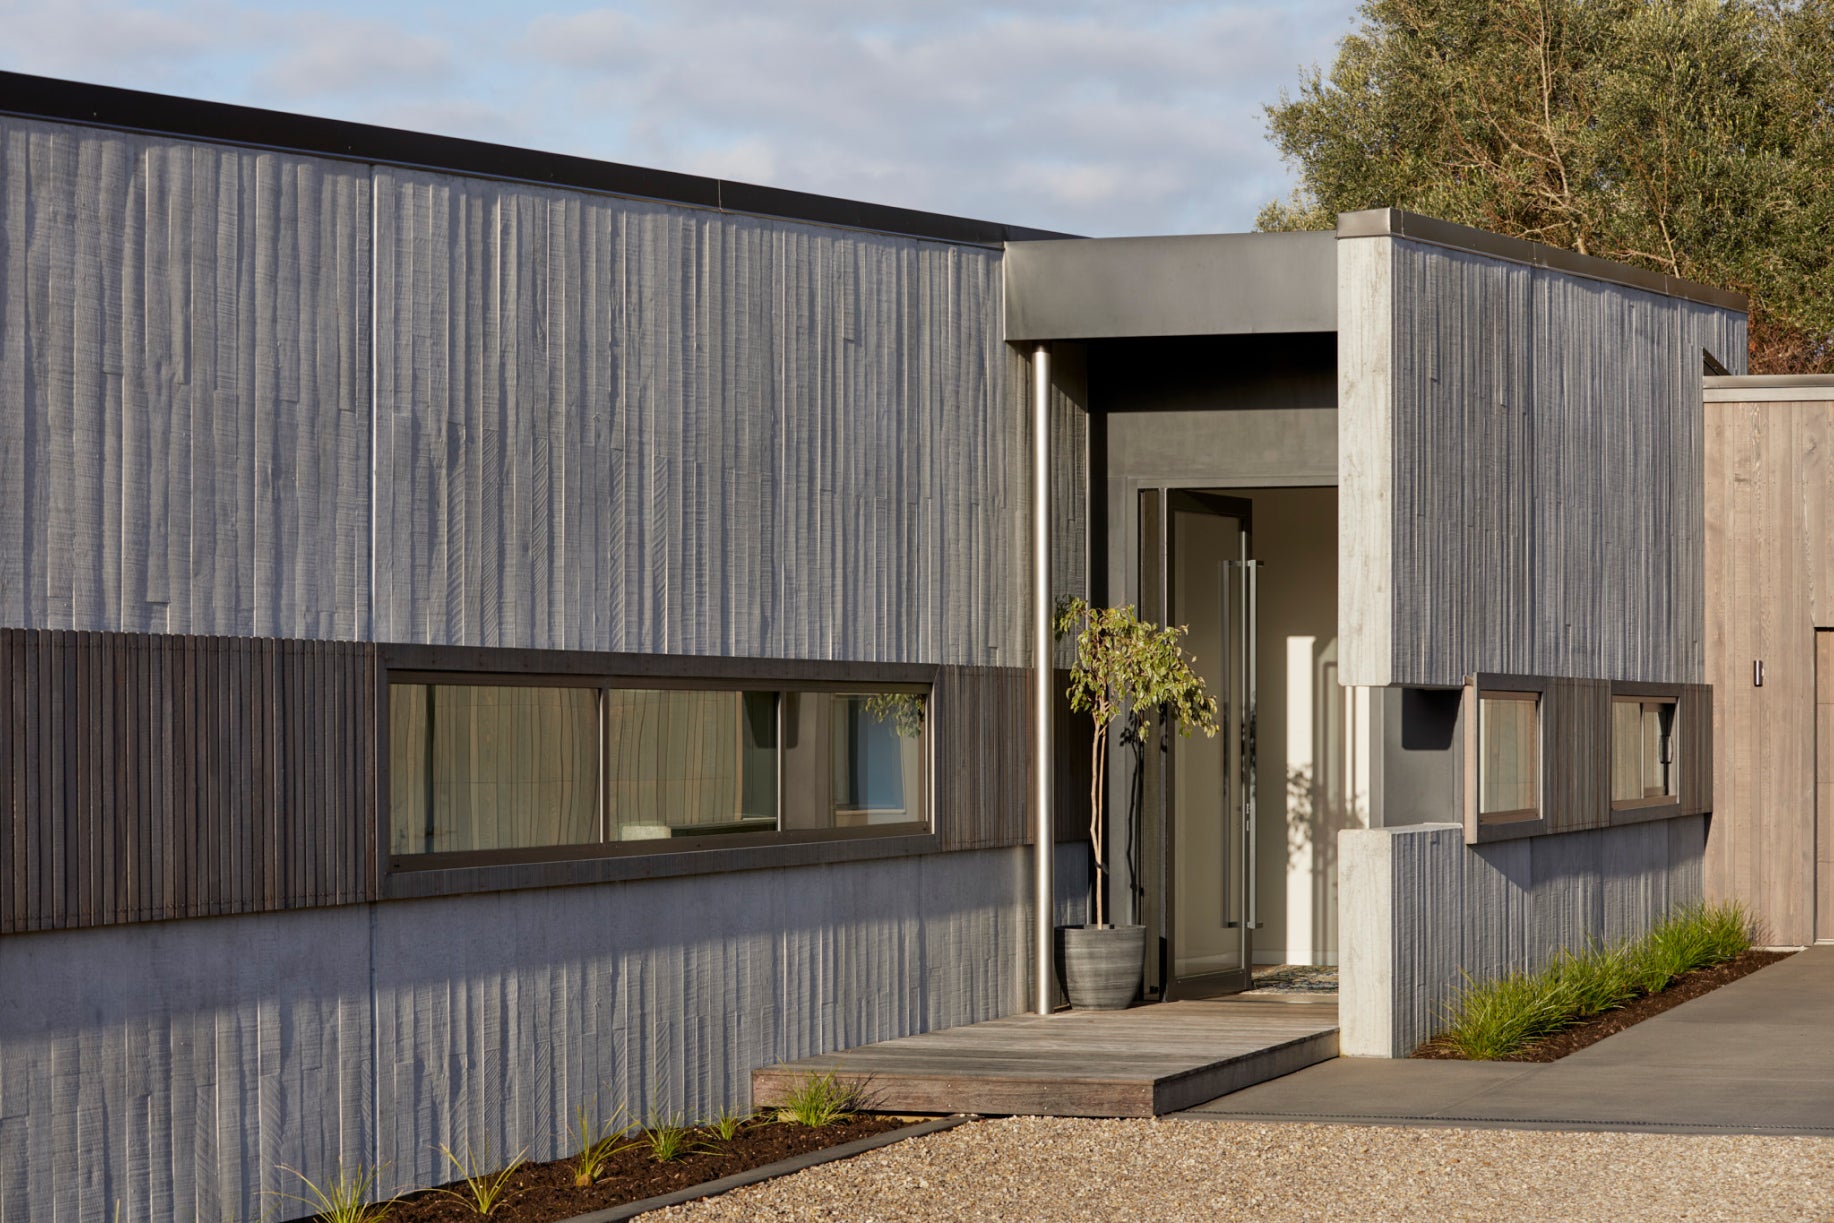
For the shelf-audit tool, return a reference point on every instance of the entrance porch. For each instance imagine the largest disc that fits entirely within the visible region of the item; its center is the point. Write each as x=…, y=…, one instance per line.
x=1141, y=1062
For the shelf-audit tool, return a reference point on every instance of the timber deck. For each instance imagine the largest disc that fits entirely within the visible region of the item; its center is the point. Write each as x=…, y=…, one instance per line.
x=1141, y=1062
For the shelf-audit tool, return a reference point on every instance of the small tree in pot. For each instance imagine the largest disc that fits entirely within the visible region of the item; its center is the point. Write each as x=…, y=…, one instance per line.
x=1122, y=664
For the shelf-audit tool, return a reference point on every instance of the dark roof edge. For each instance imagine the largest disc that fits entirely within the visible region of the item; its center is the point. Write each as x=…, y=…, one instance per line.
x=1393, y=222
x=133, y=110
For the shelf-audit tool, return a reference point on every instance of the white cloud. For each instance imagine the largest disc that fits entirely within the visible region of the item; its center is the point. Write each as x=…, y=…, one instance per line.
x=1085, y=115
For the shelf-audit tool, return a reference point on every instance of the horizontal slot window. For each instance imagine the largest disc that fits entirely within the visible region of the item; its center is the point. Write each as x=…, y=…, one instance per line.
x=1644, y=770
x=517, y=768
x=1509, y=756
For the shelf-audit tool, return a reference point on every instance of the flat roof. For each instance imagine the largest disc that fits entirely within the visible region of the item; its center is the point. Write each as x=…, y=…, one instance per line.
x=132, y=110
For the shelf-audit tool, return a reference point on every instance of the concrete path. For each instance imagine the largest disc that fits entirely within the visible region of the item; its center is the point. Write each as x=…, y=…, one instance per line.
x=1756, y=1056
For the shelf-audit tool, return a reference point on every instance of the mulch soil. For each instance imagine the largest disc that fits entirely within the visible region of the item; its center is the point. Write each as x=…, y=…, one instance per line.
x=1591, y=1031
x=544, y=1193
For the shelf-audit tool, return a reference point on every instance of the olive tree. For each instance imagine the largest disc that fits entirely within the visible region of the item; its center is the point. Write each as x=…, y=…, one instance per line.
x=1125, y=664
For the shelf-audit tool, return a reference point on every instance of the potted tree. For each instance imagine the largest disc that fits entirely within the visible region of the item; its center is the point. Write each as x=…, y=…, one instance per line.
x=1122, y=665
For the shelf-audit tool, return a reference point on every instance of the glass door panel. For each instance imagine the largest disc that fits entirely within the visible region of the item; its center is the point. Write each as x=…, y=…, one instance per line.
x=1205, y=789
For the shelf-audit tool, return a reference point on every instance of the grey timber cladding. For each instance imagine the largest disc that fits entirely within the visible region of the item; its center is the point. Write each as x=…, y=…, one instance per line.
x=608, y=424
x=184, y=386
x=597, y=423
x=1521, y=469
x=365, y=1035
x=150, y=776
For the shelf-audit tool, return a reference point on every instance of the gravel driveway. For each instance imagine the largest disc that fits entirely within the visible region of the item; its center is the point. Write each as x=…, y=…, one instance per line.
x=1033, y=1168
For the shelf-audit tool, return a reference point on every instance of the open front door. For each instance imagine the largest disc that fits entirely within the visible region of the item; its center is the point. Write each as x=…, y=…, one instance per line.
x=1197, y=570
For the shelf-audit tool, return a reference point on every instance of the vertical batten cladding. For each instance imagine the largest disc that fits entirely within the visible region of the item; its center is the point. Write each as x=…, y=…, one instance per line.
x=151, y=776
x=1543, y=470
x=617, y=425
x=184, y=434
x=1769, y=590
x=599, y=424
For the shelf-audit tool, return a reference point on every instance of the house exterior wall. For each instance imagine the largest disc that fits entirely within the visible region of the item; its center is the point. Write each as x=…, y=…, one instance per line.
x=1520, y=492
x=172, y=1069
x=252, y=393
x=1522, y=468
x=257, y=394
x=1769, y=593
x=1428, y=909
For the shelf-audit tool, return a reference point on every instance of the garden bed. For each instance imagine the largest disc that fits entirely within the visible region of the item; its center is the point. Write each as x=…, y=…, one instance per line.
x=1590, y=1031
x=545, y=1193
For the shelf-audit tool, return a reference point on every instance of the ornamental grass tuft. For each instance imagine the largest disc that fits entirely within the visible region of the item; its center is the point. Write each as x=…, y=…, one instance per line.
x=1494, y=1018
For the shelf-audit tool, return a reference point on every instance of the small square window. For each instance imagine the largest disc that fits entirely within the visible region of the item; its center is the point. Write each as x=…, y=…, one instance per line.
x=1645, y=770
x=1508, y=756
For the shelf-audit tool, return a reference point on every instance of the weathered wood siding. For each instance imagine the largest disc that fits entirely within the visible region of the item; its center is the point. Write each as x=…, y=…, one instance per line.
x=1520, y=469
x=1769, y=587
x=149, y=776
x=609, y=424
x=984, y=759
x=598, y=423
x=184, y=387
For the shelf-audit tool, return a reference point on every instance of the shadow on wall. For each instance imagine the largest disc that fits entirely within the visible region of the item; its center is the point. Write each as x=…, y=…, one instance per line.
x=1327, y=789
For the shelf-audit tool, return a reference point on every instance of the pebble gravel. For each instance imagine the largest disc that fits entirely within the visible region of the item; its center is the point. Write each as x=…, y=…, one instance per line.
x=1046, y=1169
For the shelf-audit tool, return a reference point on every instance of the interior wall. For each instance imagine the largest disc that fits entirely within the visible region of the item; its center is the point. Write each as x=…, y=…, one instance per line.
x=1313, y=774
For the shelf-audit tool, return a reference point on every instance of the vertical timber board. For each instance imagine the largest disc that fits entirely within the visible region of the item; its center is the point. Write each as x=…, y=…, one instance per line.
x=983, y=756
x=1545, y=461
x=684, y=426
x=184, y=385
x=1767, y=546
x=162, y=777
x=1695, y=713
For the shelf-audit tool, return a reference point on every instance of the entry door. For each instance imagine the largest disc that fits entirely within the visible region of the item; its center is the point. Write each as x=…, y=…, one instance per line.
x=1203, y=573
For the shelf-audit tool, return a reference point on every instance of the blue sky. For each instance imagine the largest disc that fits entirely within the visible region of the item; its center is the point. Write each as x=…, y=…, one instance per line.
x=1082, y=115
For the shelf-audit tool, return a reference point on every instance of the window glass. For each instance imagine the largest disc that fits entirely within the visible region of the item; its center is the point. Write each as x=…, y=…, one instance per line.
x=1509, y=754
x=853, y=759
x=690, y=763
x=516, y=767
x=492, y=767
x=1643, y=757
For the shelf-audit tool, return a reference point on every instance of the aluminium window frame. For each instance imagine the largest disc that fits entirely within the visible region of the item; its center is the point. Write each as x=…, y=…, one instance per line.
x=1637, y=810
x=483, y=666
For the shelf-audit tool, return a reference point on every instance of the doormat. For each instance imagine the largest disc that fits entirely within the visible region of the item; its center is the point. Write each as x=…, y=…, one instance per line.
x=1295, y=979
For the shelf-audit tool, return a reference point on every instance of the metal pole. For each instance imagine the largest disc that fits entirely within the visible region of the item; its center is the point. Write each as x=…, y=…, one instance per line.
x=1043, y=831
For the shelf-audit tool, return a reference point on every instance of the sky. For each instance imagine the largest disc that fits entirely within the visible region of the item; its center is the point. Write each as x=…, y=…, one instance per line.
x=1086, y=116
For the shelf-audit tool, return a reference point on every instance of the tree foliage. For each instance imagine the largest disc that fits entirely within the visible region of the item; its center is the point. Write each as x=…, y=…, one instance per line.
x=1125, y=664
x=1691, y=137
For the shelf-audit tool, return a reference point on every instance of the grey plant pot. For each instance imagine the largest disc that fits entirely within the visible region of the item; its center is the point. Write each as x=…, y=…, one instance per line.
x=1103, y=965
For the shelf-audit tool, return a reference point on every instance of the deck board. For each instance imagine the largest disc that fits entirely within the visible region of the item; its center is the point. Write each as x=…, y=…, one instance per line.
x=1136, y=1063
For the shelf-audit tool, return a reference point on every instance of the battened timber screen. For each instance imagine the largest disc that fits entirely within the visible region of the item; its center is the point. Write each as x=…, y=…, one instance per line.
x=503, y=770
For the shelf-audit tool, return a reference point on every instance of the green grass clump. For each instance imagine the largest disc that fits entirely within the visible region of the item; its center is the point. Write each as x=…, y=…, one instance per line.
x=1495, y=1018
x=821, y=1099
x=727, y=1125
x=668, y=1138
x=343, y=1200
x=597, y=1145
x=484, y=1191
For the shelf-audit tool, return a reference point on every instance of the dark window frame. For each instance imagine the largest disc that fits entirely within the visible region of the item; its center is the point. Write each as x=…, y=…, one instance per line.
x=480, y=666
x=1483, y=827
x=1631, y=811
